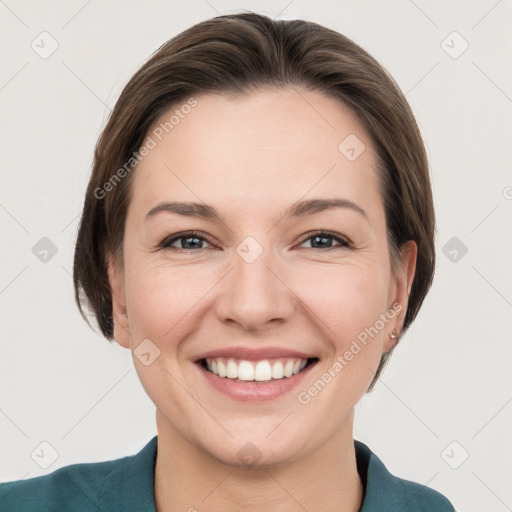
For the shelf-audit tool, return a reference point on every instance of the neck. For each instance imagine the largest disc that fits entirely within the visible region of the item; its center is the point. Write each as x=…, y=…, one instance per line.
x=188, y=479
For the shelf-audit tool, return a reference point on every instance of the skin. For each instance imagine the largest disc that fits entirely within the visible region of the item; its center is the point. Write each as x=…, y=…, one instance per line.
x=251, y=157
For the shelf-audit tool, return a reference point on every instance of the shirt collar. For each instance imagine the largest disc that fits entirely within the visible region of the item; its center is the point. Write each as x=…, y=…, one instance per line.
x=381, y=487
x=130, y=486
x=383, y=491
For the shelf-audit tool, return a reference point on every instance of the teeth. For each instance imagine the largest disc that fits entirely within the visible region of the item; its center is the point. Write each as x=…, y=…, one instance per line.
x=263, y=371
x=231, y=370
x=245, y=370
x=288, y=368
x=277, y=370
x=260, y=371
x=221, y=368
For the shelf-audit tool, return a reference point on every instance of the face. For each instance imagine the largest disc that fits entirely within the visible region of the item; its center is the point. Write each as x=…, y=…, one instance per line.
x=269, y=276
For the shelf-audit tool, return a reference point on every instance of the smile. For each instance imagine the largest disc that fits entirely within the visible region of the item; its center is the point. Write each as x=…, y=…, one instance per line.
x=255, y=379
x=264, y=370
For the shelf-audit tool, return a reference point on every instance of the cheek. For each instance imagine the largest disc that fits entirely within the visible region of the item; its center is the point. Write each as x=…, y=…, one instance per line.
x=348, y=299
x=351, y=304
x=161, y=298
x=164, y=305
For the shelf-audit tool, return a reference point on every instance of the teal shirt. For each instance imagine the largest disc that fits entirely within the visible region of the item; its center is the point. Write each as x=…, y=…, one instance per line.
x=127, y=485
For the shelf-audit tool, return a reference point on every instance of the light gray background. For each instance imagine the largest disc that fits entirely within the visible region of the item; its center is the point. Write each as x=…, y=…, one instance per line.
x=449, y=379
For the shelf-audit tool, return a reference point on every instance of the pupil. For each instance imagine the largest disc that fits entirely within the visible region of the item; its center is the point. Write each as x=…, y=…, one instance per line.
x=325, y=240
x=186, y=245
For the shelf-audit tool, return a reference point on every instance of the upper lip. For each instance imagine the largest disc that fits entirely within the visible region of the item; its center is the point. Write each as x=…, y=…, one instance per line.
x=253, y=354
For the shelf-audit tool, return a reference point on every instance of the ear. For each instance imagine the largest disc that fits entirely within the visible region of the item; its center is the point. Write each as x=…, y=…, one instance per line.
x=402, y=280
x=117, y=291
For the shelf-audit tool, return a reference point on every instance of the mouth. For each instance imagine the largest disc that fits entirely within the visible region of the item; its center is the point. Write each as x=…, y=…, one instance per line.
x=259, y=371
x=253, y=374
x=248, y=377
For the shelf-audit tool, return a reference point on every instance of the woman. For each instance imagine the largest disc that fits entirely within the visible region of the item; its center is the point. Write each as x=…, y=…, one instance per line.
x=258, y=230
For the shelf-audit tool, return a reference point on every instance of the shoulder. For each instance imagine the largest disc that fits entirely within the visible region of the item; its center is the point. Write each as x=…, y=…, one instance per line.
x=386, y=492
x=85, y=486
x=78, y=485
x=420, y=498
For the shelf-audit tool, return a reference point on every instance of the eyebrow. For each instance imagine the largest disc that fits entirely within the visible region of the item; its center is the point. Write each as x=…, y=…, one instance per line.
x=298, y=209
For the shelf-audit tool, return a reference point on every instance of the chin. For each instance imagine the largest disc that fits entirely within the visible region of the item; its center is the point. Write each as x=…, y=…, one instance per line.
x=257, y=449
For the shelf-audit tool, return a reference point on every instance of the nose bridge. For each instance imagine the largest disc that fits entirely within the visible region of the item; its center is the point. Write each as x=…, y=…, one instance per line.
x=253, y=294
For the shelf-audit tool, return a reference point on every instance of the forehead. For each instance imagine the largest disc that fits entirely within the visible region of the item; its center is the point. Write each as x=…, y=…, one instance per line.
x=264, y=147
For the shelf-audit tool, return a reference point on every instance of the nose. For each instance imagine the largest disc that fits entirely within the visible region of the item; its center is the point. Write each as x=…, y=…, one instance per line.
x=255, y=294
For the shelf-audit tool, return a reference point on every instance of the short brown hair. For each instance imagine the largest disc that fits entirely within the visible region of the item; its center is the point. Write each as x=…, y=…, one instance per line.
x=238, y=54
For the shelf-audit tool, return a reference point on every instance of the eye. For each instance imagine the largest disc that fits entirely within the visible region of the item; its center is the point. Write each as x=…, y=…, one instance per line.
x=190, y=240
x=194, y=240
x=323, y=240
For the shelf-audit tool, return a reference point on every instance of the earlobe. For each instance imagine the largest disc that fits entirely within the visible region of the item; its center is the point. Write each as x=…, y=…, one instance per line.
x=119, y=314
x=394, y=335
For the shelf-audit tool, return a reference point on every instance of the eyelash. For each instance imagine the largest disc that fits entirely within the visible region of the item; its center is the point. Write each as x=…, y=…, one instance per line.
x=343, y=242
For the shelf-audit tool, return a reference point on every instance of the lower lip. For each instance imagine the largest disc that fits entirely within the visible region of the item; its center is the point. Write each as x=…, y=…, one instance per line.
x=253, y=390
